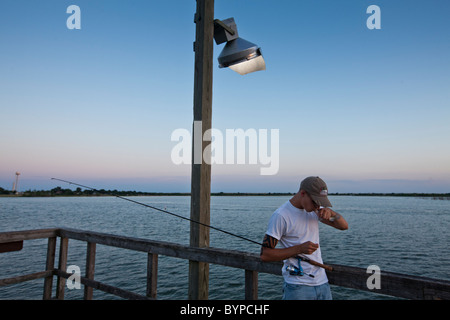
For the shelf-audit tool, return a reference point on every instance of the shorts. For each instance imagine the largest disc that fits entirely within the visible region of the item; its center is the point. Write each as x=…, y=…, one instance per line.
x=303, y=292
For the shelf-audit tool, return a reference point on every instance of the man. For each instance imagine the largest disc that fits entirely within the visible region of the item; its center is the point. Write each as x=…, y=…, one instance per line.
x=295, y=225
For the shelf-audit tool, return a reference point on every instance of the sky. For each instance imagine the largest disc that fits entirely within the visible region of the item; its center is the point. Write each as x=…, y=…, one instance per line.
x=367, y=110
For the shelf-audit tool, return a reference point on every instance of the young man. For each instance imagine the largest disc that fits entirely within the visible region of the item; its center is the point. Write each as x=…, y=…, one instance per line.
x=295, y=225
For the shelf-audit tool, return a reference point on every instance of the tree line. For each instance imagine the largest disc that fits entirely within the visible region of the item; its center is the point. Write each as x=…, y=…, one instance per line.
x=58, y=191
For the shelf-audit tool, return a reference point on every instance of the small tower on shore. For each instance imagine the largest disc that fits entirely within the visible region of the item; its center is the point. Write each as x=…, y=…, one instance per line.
x=15, y=188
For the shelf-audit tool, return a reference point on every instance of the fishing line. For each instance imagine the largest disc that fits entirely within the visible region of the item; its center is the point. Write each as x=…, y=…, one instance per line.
x=161, y=210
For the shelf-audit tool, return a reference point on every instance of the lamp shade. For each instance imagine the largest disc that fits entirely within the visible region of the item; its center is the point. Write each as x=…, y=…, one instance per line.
x=241, y=56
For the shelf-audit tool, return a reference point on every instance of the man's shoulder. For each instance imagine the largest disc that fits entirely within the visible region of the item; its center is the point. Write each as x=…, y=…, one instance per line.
x=286, y=209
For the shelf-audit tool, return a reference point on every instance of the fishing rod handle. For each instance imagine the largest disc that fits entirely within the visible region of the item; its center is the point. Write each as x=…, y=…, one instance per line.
x=314, y=263
x=317, y=264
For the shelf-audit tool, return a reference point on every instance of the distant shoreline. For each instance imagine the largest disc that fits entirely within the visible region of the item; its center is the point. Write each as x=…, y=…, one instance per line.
x=58, y=192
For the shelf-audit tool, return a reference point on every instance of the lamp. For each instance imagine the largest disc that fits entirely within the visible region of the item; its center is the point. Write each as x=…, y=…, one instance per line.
x=239, y=55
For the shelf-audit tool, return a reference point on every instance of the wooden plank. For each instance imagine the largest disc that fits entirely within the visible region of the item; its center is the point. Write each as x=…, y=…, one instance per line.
x=251, y=285
x=392, y=284
x=11, y=246
x=104, y=287
x=410, y=287
x=90, y=269
x=49, y=266
x=231, y=258
x=201, y=167
x=62, y=265
x=12, y=236
x=23, y=278
x=152, y=275
x=400, y=285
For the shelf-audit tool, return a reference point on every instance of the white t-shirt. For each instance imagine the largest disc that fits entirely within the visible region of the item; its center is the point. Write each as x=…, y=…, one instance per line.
x=292, y=226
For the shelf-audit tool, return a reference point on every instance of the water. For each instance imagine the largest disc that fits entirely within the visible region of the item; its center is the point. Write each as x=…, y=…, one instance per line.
x=405, y=235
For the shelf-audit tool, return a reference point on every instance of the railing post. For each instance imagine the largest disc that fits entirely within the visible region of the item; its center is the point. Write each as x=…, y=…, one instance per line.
x=90, y=269
x=62, y=265
x=251, y=285
x=49, y=265
x=152, y=275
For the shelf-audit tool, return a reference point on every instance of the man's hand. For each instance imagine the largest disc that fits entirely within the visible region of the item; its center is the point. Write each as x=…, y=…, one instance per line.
x=325, y=213
x=307, y=247
x=332, y=218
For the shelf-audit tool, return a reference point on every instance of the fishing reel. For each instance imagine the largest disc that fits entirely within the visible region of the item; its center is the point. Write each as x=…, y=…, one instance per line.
x=297, y=271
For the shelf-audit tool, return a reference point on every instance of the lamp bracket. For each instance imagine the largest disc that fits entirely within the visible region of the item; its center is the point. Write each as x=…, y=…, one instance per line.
x=225, y=30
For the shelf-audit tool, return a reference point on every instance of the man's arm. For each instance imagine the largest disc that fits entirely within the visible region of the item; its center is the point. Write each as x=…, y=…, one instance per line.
x=338, y=221
x=269, y=253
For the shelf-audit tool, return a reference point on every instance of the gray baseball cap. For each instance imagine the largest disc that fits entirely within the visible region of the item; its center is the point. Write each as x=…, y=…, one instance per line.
x=317, y=189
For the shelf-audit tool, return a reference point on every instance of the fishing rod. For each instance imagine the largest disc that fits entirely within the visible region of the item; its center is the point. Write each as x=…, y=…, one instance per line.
x=303, y=258
x=315, y=263
x=161, y=210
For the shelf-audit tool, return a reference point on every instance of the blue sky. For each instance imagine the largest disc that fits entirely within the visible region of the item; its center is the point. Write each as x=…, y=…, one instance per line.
x=367, y=110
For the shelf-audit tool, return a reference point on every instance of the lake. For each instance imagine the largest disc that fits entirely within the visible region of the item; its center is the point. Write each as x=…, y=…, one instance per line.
x=399, y=234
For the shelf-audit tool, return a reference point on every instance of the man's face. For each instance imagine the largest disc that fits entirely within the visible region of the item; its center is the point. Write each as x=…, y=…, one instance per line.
x=309, y=203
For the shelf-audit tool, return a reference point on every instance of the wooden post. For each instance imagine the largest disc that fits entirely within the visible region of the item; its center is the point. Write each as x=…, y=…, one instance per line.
x=90, y=269
x=251, y=285
x=62, y=265
x=201, y=168
x=152, y=275
x=50, y=265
